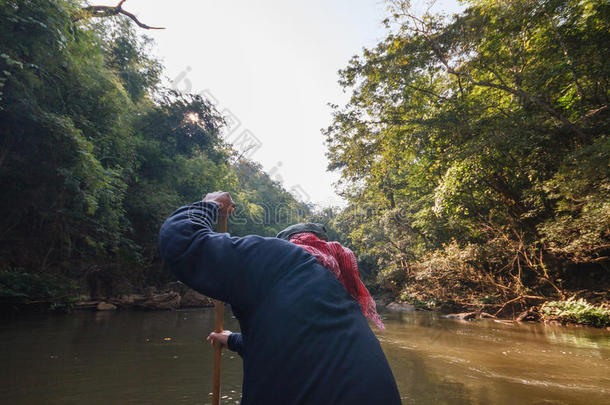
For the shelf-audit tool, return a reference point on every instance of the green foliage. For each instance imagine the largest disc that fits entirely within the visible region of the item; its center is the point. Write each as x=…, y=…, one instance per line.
x=474, y=148
x=576, y=311
x=95, y=154
x=414, y=300
x=16, y=285
x=263, y=206
x=62, y=118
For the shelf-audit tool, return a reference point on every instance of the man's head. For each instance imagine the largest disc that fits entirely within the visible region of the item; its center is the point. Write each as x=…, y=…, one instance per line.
x=317, y=229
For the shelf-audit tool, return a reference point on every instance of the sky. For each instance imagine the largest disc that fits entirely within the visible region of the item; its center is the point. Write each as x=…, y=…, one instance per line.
x=270, y=66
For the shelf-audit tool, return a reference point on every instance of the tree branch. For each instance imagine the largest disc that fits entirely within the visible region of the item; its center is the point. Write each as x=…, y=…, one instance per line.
x=425, y=91
x=422, y=28
x=109, y=11
x=530, y=297
x=569, y=60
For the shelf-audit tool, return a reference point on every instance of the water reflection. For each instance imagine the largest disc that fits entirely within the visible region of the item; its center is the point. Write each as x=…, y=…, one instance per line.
x=125, y=357
x=162, y=357
x=487, y=362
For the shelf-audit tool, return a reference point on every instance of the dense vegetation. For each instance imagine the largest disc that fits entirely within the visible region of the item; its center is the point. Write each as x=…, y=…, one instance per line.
x=576, y=312
x=475, y=152
x=95, y=153
x=474, y=155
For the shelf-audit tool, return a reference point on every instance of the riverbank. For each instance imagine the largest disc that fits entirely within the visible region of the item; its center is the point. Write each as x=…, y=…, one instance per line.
x=570, y=312
x=27, y=293
x=172, y=296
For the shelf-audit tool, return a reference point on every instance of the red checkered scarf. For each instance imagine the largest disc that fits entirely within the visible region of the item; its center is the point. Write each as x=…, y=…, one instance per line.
x=341, y=262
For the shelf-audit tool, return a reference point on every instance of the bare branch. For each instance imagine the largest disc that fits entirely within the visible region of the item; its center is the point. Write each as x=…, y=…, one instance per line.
x=530, y=297
x=109, y=11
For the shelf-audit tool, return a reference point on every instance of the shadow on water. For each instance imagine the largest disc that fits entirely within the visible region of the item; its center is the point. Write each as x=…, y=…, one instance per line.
x=123, y=357
x=162, y=357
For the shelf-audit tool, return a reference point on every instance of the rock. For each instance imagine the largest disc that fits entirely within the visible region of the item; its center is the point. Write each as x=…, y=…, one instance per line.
x=105, y=306
x=122, y=301
x=464, y=316
x=192, y=299
x=86, y=305
x=178, y=287
x=170, y=300
x=136, y=298
x=149, y=291
x=395, y=306
x=128, y=300
x=553, y=322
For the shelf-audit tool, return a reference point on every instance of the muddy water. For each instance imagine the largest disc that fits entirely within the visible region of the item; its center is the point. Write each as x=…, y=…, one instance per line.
x=442, y=361
x=161, y=358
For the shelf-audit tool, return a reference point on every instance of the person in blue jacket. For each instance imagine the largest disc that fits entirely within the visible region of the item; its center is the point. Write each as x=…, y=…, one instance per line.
x=304, y=339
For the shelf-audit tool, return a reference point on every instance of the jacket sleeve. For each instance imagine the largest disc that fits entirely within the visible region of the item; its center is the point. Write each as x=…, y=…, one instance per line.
x=236, y=343
x=238, y=270
x=206, y=261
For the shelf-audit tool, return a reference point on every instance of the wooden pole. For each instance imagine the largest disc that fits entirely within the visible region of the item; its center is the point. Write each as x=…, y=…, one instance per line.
x=219, y=306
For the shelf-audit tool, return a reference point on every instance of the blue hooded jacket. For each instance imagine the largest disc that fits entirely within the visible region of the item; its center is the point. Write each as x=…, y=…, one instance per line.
x=304, y=339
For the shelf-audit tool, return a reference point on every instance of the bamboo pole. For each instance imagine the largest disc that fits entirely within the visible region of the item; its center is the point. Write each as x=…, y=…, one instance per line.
x=219, y=306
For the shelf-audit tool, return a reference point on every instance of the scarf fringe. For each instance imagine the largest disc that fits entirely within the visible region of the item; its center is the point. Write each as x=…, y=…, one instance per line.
x=342, y=263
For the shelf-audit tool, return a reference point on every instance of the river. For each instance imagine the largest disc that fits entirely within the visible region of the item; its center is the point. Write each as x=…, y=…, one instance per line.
x=162, y=358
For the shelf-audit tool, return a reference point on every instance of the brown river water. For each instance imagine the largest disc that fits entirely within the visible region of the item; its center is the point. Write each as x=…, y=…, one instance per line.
x=162, y=358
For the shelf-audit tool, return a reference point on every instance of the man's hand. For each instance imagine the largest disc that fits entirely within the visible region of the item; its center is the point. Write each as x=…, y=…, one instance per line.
x=226, y=205
x=220, y=338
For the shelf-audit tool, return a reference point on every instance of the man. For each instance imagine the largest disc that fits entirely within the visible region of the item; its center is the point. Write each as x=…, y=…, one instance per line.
x=304, y=339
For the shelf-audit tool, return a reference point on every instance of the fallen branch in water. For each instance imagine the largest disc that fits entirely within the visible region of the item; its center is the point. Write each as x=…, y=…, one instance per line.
x=530, y=297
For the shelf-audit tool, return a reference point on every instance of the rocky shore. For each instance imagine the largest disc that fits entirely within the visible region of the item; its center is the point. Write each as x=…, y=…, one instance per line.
x=530, y=315
x=172, y=296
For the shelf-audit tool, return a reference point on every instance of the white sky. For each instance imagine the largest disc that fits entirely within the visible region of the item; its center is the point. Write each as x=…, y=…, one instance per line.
x=273, y=64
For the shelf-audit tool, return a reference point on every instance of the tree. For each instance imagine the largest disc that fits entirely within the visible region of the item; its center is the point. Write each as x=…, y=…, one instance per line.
x=95, y=153
x=471, y=142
